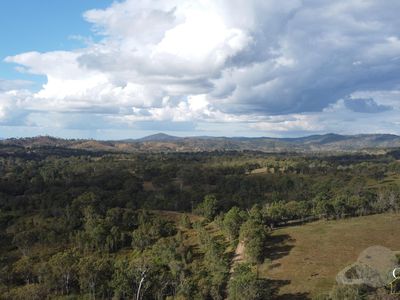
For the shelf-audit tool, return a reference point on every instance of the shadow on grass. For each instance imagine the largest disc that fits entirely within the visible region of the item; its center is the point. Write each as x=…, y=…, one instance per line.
x=274, y=265
x=296, y=296
x=276, y=285
x=278, y=246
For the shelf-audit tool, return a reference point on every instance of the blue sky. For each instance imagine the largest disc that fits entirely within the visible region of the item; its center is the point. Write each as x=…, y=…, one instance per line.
x=122, y=69
x=42, y=26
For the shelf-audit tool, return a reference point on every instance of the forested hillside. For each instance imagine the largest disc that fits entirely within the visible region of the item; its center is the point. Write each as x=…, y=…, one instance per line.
x=77, y=224
x=166, y=143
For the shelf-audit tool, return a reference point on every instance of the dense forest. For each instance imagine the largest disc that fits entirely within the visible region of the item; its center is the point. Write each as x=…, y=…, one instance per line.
x=76, y=224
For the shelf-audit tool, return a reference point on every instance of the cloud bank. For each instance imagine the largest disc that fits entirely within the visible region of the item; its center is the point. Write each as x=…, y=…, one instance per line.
x=286, y=68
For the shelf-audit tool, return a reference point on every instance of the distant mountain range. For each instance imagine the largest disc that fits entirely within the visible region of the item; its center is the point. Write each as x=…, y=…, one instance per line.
x=167, y=143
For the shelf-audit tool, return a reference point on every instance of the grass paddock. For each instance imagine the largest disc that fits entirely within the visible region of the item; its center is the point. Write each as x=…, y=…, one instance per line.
x=302, y=261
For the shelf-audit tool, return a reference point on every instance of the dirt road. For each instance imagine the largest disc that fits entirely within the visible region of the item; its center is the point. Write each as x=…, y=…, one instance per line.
x=238, y=256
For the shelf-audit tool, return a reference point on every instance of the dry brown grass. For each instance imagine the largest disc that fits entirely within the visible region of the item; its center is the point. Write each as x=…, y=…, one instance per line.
x=305, y=259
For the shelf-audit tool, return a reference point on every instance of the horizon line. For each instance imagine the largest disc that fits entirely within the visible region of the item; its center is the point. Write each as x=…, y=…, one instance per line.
x=195, y=136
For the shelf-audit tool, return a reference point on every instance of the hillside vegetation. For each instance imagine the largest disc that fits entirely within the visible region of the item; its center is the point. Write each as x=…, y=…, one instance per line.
x=79, y=224
x=166, y=143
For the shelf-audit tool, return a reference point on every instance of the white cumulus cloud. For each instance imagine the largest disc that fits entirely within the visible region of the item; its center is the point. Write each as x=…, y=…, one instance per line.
x=277, y=66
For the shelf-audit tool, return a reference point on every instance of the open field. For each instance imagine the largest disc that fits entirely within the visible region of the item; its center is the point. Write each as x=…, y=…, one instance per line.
x=305, y=259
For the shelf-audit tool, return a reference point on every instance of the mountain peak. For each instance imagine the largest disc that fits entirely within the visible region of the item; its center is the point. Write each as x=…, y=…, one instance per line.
x=158, y=137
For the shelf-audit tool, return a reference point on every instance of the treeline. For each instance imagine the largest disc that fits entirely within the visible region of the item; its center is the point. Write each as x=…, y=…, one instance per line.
x=333, y=206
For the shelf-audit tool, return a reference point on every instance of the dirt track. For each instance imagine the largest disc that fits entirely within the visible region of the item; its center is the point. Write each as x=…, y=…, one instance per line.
x=238, y=256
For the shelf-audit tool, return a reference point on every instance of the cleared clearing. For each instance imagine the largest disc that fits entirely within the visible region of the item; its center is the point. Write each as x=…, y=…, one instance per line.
x=302, y=261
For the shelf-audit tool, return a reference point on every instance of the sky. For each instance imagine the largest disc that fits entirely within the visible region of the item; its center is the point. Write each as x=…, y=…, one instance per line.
x=107, y=69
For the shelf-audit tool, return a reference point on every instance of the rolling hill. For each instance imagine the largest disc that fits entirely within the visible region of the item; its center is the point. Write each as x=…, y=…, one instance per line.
x=166, y=143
